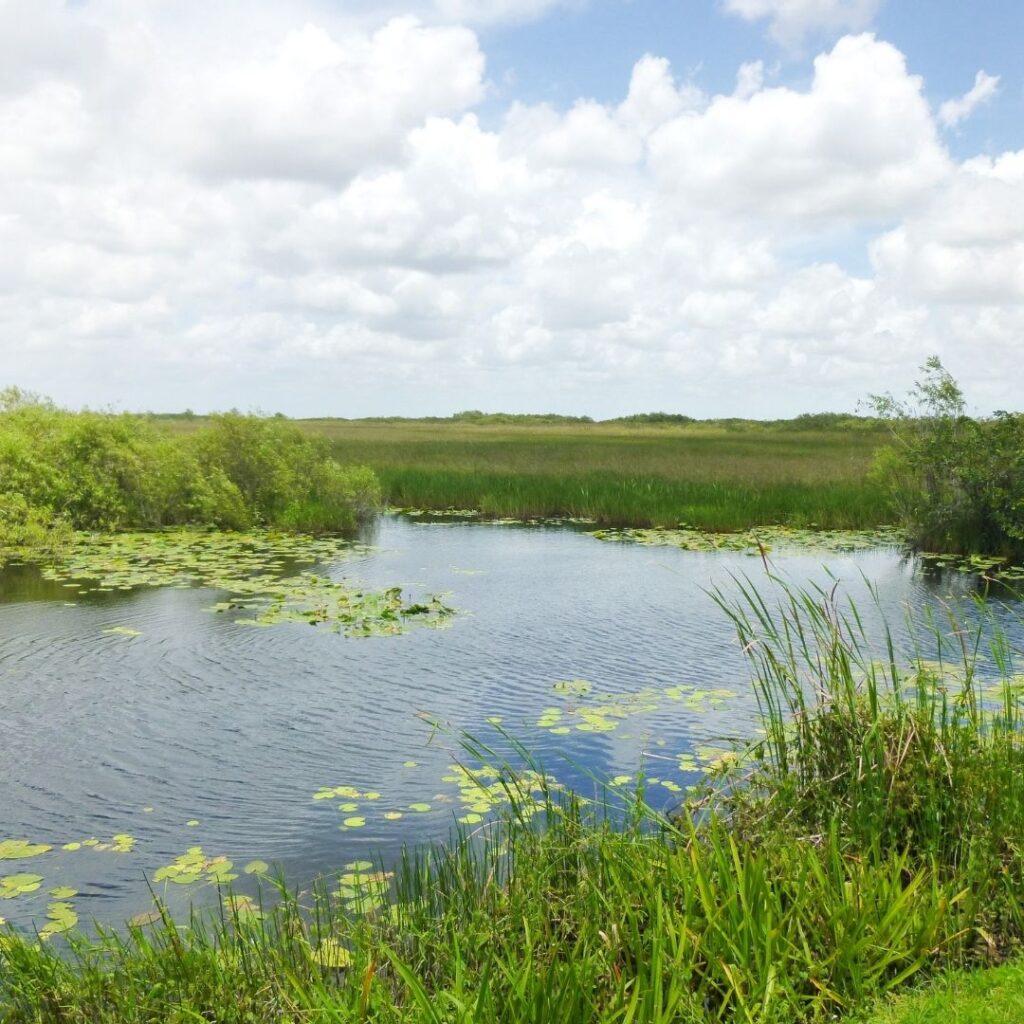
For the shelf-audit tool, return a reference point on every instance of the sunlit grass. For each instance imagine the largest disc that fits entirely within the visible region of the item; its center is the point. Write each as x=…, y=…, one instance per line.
x=712, y=477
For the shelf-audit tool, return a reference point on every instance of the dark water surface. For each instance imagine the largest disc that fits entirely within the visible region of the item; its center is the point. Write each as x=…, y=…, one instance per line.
x=235, y=727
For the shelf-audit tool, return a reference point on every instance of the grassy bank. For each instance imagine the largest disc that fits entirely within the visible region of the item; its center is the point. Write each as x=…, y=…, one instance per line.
x=712, y=476
x=872, y=837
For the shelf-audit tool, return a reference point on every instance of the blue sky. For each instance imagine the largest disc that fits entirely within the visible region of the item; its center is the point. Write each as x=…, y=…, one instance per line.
x=367, y=207
x=590, y=50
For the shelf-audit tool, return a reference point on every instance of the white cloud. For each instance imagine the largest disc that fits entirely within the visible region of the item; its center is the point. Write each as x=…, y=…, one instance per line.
x=489, y=12
x=859, y=143
x=309, y=214
x=952, y=112
x=791, y=22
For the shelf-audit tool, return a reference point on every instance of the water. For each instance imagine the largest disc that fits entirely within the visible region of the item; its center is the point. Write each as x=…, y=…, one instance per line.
x=201, y=719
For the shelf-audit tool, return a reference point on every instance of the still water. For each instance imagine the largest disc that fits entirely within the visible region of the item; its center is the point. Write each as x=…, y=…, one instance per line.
x=200, y=731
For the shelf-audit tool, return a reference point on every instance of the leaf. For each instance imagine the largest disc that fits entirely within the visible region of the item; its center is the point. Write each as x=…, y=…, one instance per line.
x=19, y=849
x=332, y=954
x=256, y=867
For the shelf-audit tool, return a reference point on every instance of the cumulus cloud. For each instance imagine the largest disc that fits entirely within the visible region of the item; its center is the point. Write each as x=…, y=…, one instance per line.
x=952, y=112
x=311, y=214
x=791, y=22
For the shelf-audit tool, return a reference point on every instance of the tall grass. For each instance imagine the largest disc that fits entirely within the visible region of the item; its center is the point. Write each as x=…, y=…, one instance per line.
x=873, y=834
x=712, y=477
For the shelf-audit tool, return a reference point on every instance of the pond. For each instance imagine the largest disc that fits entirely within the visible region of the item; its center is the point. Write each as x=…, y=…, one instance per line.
x=138, y=722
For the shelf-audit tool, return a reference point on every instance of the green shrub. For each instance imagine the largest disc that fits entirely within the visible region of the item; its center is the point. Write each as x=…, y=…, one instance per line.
x=956, y=483
x=105, y=471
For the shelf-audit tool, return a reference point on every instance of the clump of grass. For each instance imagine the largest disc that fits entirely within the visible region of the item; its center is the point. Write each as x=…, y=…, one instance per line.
x=873, y=835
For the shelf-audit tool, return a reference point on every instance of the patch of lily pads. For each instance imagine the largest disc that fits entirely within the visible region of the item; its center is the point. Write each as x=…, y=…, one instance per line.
x=766, y=539
x=583, y=711
x=985, y=566
x=258, y=570
x=195, y=866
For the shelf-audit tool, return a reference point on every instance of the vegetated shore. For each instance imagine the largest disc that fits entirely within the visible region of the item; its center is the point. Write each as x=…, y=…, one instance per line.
x=714, y=475
x=872, y=838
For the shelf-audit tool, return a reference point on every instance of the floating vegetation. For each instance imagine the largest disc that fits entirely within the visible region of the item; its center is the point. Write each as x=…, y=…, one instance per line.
x=256, y=867
x=765, y=539
x=60, y=918
x=194, y=866
x=254, y=568
x=18, y=885
x=573, y=687
x=986, y=566
x=606, y=712
x=19, y=849
x=362, y=889
x=120, y=843
x=145, y=918
x=332, y=954
x=63, y=892
x=484, y=790
x=242, y=905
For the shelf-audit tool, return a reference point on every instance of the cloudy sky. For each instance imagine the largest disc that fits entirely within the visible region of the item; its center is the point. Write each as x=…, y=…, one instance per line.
x=362, y=207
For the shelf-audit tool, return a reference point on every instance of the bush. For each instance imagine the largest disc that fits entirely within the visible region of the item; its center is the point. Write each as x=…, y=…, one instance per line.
x=103, y=471
x=956, y=483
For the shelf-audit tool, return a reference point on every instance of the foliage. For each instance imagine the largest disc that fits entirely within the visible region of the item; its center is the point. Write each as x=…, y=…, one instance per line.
x=956, y=483
x=103, y=471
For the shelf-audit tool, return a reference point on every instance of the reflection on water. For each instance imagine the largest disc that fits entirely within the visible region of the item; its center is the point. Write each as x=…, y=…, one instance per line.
x=141, y=713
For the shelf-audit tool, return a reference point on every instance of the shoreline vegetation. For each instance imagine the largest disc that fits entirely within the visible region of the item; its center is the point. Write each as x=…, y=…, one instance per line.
x=871, y=839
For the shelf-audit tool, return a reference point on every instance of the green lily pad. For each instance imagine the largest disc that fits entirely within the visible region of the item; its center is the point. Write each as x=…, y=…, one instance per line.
x=256, y=867
x=20, y=849
x=331, y=953
x=356, y=821
x=61, y=917
x=420, y=807
x=63, y=892
x=18, y=885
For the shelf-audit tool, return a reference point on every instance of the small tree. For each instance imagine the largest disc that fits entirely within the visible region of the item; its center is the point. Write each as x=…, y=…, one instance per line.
x=956, y=483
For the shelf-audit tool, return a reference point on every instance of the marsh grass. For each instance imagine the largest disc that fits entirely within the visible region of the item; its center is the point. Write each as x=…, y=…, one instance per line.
x=871, y=836
x=716, y=477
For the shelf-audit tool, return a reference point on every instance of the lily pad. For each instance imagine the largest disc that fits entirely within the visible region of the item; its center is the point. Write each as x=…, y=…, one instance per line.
x=332, y=954
x=20, y=849
x=18, y=885
x=256, y=867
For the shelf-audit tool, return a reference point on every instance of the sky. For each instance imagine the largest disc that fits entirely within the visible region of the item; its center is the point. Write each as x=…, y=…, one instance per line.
x=413, y=207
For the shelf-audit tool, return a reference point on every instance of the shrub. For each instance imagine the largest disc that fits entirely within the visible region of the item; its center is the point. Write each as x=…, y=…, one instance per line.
x=956, y=483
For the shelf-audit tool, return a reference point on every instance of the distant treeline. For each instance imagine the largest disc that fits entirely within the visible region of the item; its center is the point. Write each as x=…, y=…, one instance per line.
x=63, y=470
x=805, y=421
